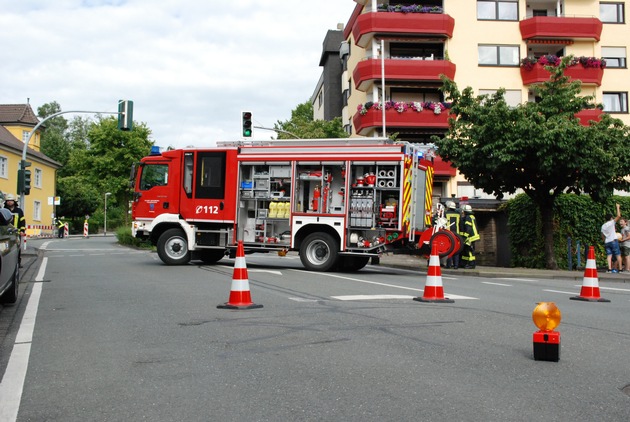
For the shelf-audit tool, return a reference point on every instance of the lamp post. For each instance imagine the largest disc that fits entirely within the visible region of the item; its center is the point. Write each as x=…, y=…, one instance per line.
x=105, y=215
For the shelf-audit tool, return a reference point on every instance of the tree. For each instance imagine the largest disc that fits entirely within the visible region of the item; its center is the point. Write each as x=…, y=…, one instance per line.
x=303, y=125
x=539, y=147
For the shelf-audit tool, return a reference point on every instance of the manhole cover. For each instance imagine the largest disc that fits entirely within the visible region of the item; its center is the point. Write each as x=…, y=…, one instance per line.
x=626, y=390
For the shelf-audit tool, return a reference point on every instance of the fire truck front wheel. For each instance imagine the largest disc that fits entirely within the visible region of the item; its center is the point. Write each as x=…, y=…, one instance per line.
x=319, y=252
x=172, y=247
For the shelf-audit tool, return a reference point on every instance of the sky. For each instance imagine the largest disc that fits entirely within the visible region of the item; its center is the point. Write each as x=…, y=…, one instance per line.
x=189, y=66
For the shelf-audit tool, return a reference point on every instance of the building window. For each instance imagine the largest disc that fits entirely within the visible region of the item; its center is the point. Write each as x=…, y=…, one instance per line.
x=37, y=211
x=513, y=97
x=615, y=102
x=612, y=12
x=25, y=134
x=497, y=10
x=4, y=164
x=38, y=178
x=498, y=55
x=614, y=56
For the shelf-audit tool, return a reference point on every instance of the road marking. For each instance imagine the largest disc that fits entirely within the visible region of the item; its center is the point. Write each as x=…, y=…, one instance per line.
x=496, y=284
x=371, y=297
x=301, y=299
x=518, y=279
x=560, y=291
x=383, y=284
x=257, y=270
x=12, y=383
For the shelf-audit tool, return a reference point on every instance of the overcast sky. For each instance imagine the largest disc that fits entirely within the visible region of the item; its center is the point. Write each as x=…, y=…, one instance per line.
x=190, y=66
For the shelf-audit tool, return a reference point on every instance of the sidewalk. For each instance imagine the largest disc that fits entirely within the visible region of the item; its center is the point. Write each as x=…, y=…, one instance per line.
x=417, y=262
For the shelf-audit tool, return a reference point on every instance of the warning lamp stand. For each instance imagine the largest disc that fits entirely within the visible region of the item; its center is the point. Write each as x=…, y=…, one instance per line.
x=546, y=316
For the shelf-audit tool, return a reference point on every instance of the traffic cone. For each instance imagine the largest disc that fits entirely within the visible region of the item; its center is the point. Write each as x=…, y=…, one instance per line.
x=590, y=284
x=240, y=297
x=433, y=289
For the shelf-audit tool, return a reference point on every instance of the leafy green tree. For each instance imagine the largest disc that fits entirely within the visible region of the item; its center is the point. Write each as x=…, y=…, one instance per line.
x=78, y=197
x=539, y=147
x=304, y=126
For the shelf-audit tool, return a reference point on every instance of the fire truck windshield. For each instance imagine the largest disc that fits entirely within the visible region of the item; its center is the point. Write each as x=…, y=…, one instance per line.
x=153, y=175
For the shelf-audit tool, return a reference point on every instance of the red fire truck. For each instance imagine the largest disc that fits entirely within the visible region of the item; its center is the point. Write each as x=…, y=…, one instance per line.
x=338, y=202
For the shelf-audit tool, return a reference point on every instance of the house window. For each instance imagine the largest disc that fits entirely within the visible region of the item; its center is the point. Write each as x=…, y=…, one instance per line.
x=38, y=178
x=498, y=55
x=614, y=56
x=501, y=10
x=615, y=102
x=513, y=97
x=25, y=134
x=4, y=172
x=37, y=211
x=611, y=12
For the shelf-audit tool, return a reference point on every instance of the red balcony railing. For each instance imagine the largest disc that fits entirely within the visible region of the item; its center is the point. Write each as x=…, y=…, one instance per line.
x=588, y=75
x=586, y=115
x=407, y=24
x=561, y=27
x=401, y=70
x=443, y=168
x=409, y=119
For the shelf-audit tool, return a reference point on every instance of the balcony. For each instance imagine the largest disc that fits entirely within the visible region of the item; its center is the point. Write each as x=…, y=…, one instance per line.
x=561, y=27
x=401, y=70
x=401, y=24
x=588, y=75
x=443, y=168
x=427, y=119
x=591, y=114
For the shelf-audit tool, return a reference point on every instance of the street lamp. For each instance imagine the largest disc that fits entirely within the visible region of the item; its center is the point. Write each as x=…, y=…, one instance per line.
x=105, y=215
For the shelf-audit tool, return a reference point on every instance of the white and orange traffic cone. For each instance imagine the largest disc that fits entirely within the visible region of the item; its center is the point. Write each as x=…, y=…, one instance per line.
x=590, y=284
x=240, y=297
x=433, y=289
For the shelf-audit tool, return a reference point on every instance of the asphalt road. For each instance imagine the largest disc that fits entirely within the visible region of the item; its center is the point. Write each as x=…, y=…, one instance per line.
x=118, y=336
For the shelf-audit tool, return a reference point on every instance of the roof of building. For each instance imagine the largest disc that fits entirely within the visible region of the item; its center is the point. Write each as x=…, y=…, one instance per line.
x=10, y=142
x=17, y=114
x=331, y=44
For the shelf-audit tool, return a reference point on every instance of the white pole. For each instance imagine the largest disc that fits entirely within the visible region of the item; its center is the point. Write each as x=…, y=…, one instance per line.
x=383, y=86
x=105, y=215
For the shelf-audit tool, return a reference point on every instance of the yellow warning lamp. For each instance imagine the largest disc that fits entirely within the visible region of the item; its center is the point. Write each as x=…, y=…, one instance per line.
x=546, y=316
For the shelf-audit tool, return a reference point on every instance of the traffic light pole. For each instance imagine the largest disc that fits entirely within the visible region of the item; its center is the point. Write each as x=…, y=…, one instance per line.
x=278, y=130
x=30, y=135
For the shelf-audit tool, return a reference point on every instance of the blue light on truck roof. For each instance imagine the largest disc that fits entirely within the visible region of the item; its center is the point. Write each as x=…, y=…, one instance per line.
x=155, y=150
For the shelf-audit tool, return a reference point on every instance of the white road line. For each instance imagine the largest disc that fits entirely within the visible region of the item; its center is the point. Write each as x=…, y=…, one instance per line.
x=560, y=291
x=371, y=297
x=12, y=383
x=385, y=284
x=517, y=279
x=496, y=284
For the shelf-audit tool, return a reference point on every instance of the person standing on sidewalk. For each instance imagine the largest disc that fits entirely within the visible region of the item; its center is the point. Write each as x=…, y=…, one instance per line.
x=624, y=244
x=611, y=243
x=19, y=221
x=471, y=235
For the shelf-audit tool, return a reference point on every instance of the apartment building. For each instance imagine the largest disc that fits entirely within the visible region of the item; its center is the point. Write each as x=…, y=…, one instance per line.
x=394, y=52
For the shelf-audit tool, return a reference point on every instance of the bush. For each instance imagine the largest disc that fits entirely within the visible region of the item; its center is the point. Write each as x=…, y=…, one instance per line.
x=575, y=216
x=123, y=234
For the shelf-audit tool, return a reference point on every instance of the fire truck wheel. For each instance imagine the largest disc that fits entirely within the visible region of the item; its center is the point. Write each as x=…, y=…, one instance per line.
x=445, y=241
x=319, y=252
x=172, y=247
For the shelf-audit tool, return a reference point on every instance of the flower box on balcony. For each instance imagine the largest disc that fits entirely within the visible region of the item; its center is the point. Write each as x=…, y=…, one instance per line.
x=536, y=73
x=401, y=115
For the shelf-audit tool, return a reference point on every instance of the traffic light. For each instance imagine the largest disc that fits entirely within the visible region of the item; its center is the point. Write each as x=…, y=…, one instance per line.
x=125, y=114
x=24, y=178
x=27, y=182
x=247, y=124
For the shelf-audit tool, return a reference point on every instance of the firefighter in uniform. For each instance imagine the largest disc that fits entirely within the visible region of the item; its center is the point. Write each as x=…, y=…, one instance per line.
x=471, y=235
x=61, y=227
x=452, y=219
x=19, y=221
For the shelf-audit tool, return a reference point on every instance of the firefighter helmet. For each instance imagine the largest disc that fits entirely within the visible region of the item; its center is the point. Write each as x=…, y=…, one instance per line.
x=467, y=208
x=450, y=205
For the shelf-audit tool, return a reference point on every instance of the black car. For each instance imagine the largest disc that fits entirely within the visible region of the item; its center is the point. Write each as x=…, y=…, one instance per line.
x=9, y=254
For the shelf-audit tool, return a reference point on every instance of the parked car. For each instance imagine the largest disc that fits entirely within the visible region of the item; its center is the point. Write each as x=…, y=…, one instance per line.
x=9, y=254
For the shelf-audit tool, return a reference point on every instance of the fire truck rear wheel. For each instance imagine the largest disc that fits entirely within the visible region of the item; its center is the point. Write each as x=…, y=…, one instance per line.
x=352, y=263
x=319, y=252
x=212, y=256
x=172, y=247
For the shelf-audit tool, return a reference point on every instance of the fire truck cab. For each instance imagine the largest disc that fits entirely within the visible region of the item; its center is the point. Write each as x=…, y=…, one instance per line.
x=337, y=202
